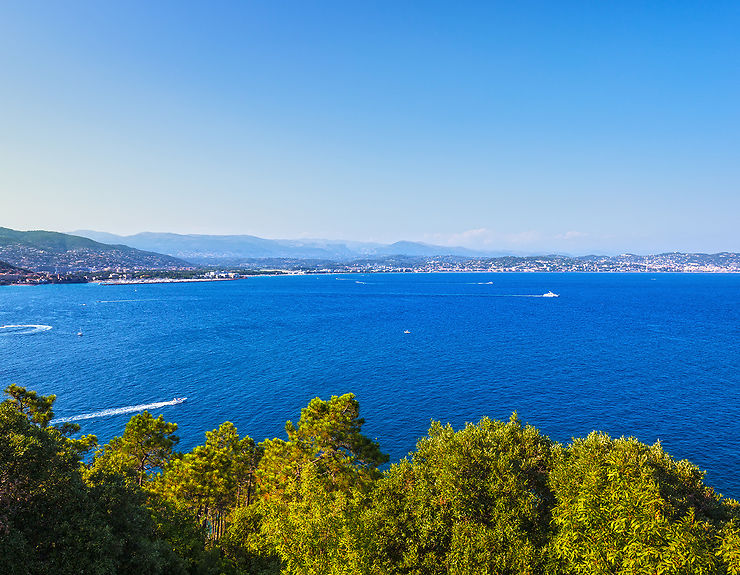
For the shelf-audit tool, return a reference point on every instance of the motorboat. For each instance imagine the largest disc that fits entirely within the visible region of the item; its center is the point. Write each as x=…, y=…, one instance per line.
x=550, y=294
x=179, y=399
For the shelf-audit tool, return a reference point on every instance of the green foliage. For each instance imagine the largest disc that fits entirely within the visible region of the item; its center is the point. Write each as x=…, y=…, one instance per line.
x=135, y=545
x=328, y=441
x=37, y=408
x=472, y=501
x=48, y=520
x=52, y=519
x=309, y=485
x=214, y=478
x=625, y=507
x=729, y=547
x=145, y=446
x=180, y=530
x=492, y=498
x=244, y=544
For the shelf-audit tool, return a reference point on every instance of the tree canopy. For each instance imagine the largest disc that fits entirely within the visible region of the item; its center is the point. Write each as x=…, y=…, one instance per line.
x=491, y=498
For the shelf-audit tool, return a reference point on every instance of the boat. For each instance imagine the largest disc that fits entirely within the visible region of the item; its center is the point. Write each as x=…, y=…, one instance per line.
x=79, y=334
x=179, y=399
x=406, y=331
x=550, y=294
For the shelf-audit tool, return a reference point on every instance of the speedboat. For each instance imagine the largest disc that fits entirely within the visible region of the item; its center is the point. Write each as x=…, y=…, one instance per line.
x=550, y=294
x=179, y=399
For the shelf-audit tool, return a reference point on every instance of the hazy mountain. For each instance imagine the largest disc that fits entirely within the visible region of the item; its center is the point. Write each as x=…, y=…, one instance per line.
x=56, y=252
x=216, y=249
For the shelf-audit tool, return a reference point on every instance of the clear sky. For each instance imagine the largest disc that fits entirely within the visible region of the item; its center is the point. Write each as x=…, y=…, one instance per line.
x=568, y=127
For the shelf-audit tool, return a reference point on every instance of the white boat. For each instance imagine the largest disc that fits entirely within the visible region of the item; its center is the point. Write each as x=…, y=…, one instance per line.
x=406, y=331
x=179, y=399
x=550, y=294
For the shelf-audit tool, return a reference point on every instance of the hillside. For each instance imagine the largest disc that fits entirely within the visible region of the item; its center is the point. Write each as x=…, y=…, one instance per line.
x=57, y=252
x=6, y=268
x=10, y=274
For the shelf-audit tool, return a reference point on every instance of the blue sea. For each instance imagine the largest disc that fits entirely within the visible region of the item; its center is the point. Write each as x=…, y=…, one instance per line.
x=655, y=356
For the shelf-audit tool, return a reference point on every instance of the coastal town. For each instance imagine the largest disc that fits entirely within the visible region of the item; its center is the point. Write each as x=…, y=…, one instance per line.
x=626, y=263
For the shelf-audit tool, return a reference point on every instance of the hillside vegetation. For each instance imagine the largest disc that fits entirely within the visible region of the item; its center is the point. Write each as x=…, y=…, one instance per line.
x=492, y=498
x=57, y=252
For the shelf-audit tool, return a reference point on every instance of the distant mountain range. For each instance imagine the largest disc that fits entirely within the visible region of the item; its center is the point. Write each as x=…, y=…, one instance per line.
x=235, y=250
x=64, y=253
x=88, y=251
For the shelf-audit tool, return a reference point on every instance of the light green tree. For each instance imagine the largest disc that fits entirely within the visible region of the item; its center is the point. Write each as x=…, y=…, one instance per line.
x=309, y=487
x=468, y=501
x=213, y=479
x=626, y=507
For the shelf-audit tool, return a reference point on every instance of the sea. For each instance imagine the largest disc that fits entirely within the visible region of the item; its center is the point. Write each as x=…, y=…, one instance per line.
x=654, y=356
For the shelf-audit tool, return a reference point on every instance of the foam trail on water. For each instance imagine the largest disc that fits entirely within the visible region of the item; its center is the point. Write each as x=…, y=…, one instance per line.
x=519, y=295
x=23, y=329
x=124, y=300
x=119, y=410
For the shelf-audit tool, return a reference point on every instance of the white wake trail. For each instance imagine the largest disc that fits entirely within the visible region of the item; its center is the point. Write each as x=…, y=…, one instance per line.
x=23, y=329
x=120, y=410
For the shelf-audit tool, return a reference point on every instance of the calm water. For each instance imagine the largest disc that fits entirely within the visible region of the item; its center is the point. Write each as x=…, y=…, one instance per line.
x=654, y=356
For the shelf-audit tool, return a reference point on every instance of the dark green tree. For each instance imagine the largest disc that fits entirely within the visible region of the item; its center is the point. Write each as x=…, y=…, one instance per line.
x=48, y=521
x=53, y=521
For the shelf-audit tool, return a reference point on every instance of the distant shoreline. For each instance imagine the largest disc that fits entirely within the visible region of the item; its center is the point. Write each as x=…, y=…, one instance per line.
x=161, y=281
x=327, y=272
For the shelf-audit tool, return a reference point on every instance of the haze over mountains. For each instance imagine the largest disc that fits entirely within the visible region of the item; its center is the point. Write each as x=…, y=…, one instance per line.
x=234, y=249
x=54, y=253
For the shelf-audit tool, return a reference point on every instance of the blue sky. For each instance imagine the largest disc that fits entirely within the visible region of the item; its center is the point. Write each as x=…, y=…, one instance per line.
x=568, y=127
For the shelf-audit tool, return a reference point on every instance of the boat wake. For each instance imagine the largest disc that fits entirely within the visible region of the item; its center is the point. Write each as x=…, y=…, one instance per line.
x=125, y=300
x=120, y=410
x=23, y=329
x=548, y=294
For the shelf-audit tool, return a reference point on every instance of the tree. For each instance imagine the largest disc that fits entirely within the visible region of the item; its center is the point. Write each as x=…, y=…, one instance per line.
x=48, y=521
x=626, y=507
x=309, y=487
x=135, y=544
x=468, y=501
x=145, y=446
x=52, y=519
x=729, y=540
x=37, y=408
x=327, y=443
x=214, y=478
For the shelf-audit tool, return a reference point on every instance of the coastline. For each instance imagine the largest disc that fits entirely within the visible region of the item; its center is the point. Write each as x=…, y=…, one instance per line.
x=161, y=281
